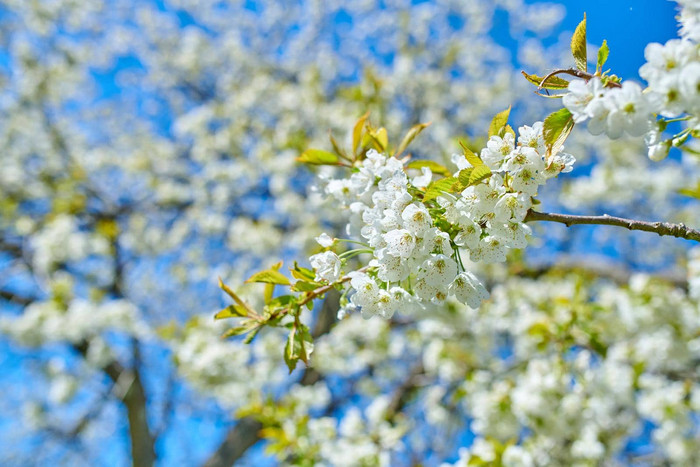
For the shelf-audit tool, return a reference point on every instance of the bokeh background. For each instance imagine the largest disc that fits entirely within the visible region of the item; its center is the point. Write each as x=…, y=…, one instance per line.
x=148, y=147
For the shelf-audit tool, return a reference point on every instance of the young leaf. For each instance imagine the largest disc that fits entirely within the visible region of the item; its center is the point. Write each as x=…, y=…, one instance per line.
x=302, y=273
x=553, y=82
x=433, y=166
x=378, y=138
x=318, y=157
x=693, y=192
x=578, y=45
x=499, y=122
x=509, y=130
x=479, y=174
x=237, y=331
x=270, y=287
x=471, y=176
x=602, y=55
x=306, y=344
x=410, y=136
x=304, y=286
x=290, y=356
x=242, y=328
x=232, y=311
x=283, y=301
x=472, y=158
x=269, y=276
x=251, y=335
x=437, y=187
x=236, y=298
x=382, y=137
x=557, y=127
x=336, y=146
x=357, y=132
x=464, y=176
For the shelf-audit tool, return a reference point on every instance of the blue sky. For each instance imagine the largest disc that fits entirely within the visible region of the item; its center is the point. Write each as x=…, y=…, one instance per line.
x=628, y=25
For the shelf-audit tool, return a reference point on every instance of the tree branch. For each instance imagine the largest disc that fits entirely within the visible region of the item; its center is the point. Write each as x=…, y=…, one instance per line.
x=246, y=432
x=660, y=228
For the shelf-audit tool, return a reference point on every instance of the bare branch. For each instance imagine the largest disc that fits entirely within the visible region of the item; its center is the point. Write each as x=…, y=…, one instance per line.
x=660, y=228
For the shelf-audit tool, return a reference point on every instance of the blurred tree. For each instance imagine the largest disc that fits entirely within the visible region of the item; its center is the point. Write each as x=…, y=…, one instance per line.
x=149, y=147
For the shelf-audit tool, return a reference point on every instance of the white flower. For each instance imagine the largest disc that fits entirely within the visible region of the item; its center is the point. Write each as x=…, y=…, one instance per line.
x=480, y=199
x=658, y=152
x=559, y=163
x=427, y=291
x=517, y=456
x=438, y=270
x=490, y=250
x=468, y=289
x=689, y=83
x=392, y=268
x=423, y=180
x=400, y=243
x=666, y=59
x=326, y=265
x=416, y=219
x=580, y=97
x=460, y=161
x=532, y=137
x=437, y=240
x=512, y=206
x=629, y=111
x=497, y=149
x=325, y=240
x=469, y=236
x=341, y=190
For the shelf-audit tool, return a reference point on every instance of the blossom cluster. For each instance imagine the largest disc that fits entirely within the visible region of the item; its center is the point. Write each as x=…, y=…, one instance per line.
x=672, y=72
x=416, y=241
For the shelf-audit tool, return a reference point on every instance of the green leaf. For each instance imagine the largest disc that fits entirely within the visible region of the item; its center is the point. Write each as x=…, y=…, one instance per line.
x=410, y=136
x=693, y=192
x=304, y=286
x=236, y=331
x=578, y=45
x=318, y=157
x=336, y=146
x=509, y=130
x=167, y=331
x=557, y=127
x=270, y=287
x=472, y=158
x=236, y=298
x=269, y=276
x=382, y=138
x=307, y=345
x=302, y=273
x=437, y=187
x=357, y=132
x=232, y=311
x=478, y=174
x=378, y=138
x=247, y=325
x=299, y=347
x=472, y=176
x=433, y=166
x=499, y=122
x=553, y=82
x=464, y=176
x=602, y=55
x=290, y=358
x=282, y=301
x=251, y=335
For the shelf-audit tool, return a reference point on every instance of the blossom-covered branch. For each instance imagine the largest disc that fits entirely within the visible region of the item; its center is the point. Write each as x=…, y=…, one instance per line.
x=661, y=228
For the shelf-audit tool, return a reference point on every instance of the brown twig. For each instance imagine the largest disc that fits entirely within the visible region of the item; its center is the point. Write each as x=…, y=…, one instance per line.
x=660, y=228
